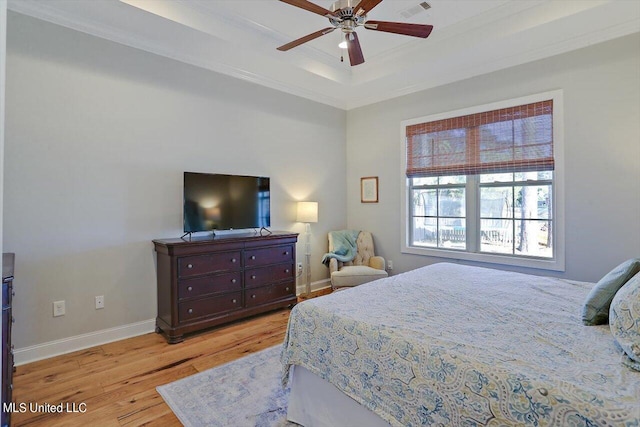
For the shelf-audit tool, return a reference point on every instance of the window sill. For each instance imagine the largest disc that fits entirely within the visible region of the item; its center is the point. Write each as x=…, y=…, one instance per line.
x=538, y=263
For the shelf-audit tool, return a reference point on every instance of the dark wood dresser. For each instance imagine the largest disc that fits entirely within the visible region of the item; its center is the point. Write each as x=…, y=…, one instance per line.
x=8, y=261
x=207, y=281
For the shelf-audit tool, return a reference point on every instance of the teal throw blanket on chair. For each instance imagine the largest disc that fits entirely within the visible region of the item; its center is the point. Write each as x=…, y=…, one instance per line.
x=344, y=246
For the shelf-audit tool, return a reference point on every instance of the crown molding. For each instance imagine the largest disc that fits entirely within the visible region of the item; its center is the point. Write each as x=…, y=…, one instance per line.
x=41, y=10
x=433, y=80
x=225, y=24
x=242, y=23
x=312, y=74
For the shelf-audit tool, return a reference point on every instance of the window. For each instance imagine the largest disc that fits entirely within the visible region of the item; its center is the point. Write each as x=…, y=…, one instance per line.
x=485, y=183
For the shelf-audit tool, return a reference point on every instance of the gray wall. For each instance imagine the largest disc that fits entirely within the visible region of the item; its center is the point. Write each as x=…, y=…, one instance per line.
x=97, y=138
x=98, y=135
x=601, y=87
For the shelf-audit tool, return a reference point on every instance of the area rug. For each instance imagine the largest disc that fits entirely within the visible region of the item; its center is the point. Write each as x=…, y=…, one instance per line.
x=244, y=393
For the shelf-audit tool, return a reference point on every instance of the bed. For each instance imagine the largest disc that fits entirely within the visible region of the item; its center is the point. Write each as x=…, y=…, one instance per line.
x=456, y=345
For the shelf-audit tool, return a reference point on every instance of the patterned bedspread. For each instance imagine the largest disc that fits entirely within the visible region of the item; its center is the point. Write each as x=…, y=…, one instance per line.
x=455, y=345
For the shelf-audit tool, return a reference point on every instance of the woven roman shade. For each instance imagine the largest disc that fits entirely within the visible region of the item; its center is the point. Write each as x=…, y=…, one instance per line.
x=514, y=139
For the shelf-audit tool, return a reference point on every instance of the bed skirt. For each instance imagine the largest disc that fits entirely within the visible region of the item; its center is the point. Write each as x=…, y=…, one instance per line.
x=315, y=402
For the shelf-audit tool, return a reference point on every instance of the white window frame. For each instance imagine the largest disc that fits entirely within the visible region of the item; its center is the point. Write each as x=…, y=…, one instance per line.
x=557, y=263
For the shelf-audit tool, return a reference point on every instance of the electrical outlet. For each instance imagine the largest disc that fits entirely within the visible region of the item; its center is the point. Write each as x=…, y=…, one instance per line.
x=99, y=302
x=59, y=308
x=299, y=268
x=389, y=265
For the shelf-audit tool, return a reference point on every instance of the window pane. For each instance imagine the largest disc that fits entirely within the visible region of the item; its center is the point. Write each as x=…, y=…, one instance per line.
x=496, y=236
x=425, y=232
x=533, y=202
x=496, y=177
x=454, y=179
x=535, y=176
x=533, y=238
x=424, y=202
x=452, y=202
x=452, y=233
x=431, y=180
x=495, y=202
x=544, y=201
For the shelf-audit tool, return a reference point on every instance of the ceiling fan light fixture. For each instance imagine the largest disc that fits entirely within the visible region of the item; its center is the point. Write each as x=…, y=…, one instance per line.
x=342, y=44
x=347, y=15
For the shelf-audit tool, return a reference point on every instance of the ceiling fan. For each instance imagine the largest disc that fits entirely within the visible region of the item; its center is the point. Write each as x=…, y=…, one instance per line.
x=347, y=15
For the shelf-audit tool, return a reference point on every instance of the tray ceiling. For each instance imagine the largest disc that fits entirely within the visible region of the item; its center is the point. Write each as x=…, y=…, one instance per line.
x=239, y=38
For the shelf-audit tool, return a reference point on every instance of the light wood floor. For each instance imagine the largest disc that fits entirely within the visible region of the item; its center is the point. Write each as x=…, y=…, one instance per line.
x=117, y=381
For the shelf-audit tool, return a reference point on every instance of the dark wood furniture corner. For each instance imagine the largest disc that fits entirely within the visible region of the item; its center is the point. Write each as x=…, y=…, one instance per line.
x=208, y=281
x=8, y=260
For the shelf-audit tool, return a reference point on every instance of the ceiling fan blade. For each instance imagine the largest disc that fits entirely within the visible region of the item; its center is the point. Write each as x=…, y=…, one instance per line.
x=355, y=51
x=415, y=30
x=365, y=6
x=311, y=7
x=306, y=38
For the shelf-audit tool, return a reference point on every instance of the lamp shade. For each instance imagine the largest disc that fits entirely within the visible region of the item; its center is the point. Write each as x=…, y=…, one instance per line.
x=307, y=212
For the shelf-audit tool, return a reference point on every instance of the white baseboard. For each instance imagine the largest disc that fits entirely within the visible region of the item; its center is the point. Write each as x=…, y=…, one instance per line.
x=80, y=342
x=315, y=286
x=92, y=339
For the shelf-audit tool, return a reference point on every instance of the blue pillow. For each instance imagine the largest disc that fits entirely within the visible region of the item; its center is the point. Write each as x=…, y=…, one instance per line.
x=624, y=320
x=595, y=310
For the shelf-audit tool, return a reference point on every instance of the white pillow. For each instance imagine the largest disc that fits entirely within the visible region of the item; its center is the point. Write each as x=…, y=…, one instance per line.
x=624, y=320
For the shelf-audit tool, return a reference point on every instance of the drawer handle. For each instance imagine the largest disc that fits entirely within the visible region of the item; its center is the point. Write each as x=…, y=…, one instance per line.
x=286, y=252
x=13, y=319
x=286, y=289
x=253, y=257
x=190, y=288
x=253, y=276
x=253, y=296
x=233, y=280
x=233, y=260
x=189, y=265
x=190, y=310
x=286, y=270
x=13, y=293
x=234, y=301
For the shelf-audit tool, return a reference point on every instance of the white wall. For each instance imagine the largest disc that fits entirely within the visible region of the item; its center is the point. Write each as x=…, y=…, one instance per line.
x=97, y=138
x=601, y=87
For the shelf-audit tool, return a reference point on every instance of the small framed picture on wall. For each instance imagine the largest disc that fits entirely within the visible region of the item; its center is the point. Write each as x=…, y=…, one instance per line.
x=369, y=189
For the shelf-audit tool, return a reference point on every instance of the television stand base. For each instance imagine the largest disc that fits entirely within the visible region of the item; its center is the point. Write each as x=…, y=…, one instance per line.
x=268, y=232
x=190, y=233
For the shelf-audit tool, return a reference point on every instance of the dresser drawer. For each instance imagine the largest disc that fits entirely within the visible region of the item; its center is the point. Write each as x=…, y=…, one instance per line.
x=281, y=272
x=267, y=294
x=210, y=263
x=210, y=306
x=265, y=275
x=266, y=256
x=206, y=285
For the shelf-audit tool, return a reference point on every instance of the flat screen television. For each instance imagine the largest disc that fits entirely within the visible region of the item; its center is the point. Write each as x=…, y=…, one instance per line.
x=225, y=202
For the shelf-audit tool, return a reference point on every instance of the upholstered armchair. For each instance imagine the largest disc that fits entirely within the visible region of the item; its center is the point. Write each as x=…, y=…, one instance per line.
x=365, y=267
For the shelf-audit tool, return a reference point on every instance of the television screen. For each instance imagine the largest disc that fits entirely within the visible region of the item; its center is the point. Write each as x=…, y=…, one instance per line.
x=225, y=202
